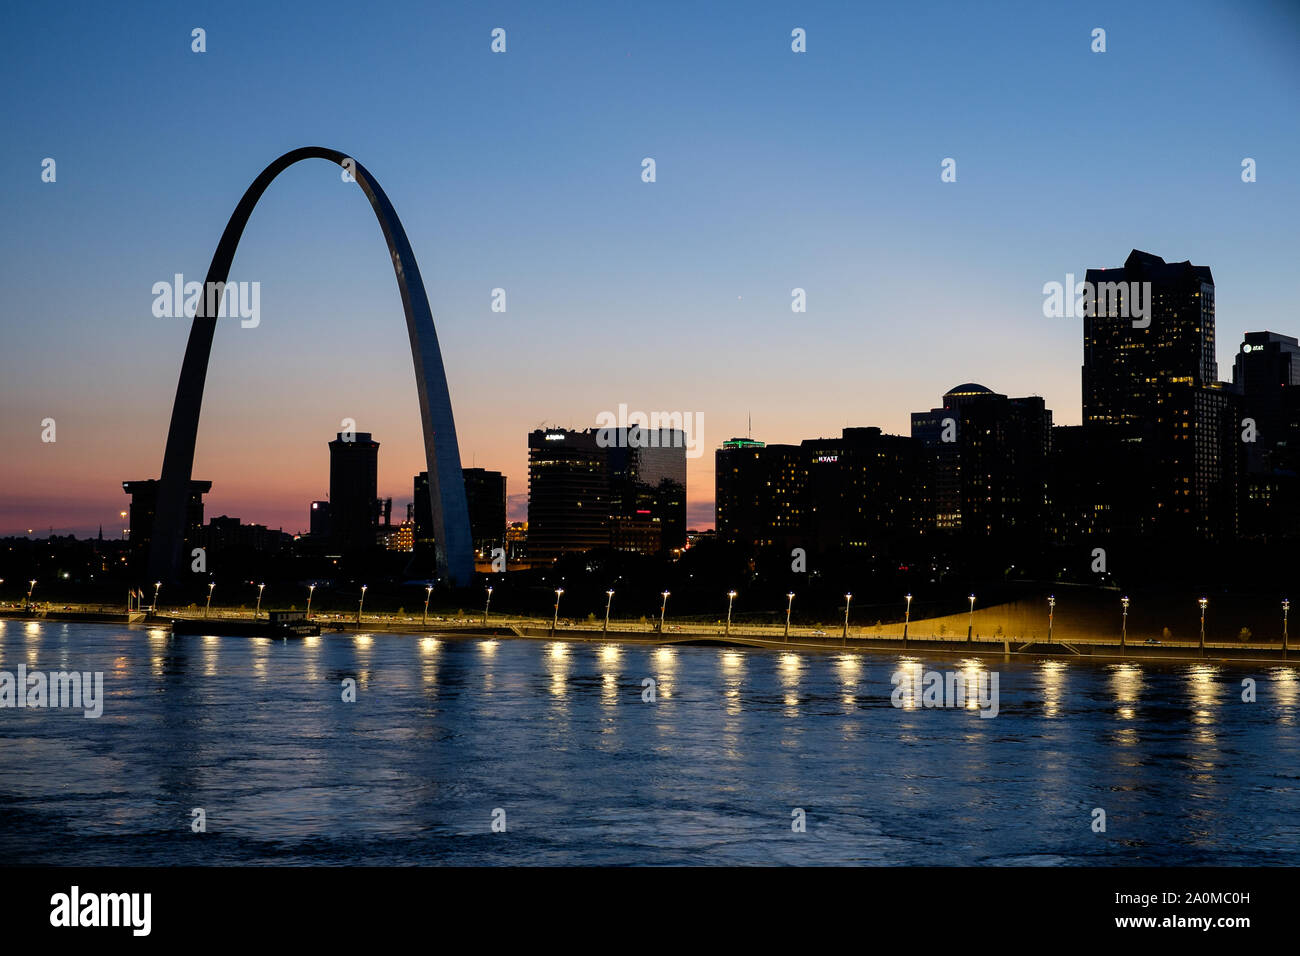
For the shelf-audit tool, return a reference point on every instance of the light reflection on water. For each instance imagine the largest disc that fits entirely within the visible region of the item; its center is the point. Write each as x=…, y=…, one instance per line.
x=445, y=730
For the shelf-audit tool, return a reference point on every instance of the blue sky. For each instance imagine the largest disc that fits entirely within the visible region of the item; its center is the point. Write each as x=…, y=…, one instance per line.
x=521, y=170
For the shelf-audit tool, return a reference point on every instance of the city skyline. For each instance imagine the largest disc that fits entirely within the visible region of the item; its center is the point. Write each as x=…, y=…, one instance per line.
x=699, y=281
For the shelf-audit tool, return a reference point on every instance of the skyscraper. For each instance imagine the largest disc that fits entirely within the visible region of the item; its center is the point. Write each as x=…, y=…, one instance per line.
x=986, y=465
x=622, y=488
x=485, y=491
x=144, y=503
x=1152, y=383
x=354, y=484
x=853, y=494
x=1266, y=379
x=568, y=493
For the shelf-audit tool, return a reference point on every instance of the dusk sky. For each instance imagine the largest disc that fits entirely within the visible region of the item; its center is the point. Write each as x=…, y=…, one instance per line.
x=522, y=171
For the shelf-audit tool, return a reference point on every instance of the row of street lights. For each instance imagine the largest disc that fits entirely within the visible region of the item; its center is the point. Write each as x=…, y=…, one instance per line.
x=1203, y=603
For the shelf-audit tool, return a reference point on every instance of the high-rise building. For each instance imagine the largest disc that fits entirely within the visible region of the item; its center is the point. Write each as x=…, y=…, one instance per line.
x=985, y=468
x=144, y=501
x=568, y=493
x=856, y=493
x=760, y=495
x=319, y=514
x=485, y=493
x=354, y=483
x=1266, y=380
x=647, y=486
x=621, y=488
x=1151, y=382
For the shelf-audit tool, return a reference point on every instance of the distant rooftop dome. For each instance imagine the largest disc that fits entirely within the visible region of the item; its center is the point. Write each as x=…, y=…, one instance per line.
x=970, y=388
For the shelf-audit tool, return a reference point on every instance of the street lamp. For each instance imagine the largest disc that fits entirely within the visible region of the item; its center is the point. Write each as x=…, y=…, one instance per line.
x=486, y=605
x=609, y=599
x=1051, y=610
x=1286, y=606
x=1123, y=633
x=970, y=627
x=907, y=617
x=789, y=603
x=207, y=608
x=731, y=596
x=847, y=599
x=361, y=604
x=556, y=619
x=662, y=610
x=156, y=588
x=428, y=592
x=311, y=588
x=258, y=609
x=1203, y=602
x=31, y=586
x=122, y=515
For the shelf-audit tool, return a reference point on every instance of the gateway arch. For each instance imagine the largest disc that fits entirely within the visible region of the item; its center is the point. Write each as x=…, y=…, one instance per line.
x=451, y=530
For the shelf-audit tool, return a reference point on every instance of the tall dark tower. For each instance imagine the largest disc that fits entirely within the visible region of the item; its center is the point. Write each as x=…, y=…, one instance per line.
x=354, y=490
x=1151, y=399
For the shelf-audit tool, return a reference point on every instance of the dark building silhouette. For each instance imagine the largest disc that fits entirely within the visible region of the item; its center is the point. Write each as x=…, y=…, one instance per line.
x=1266, y=381
x=602, y=488
x=647, y=488
x=568, y=493
x=1154, y=387
x=485, y=492
x=144, y=500
x=985, y=462
x=320, y=520
x=760, y=495
x=354, y=483
x=226, y=534
x=853, y=494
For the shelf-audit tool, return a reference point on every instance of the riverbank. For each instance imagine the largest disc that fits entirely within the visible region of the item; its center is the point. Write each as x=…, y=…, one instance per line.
x=1099, y=649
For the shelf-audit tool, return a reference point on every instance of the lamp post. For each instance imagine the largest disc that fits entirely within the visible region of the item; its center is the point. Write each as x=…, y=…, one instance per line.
x=970, y=627
x=556, y=619
x=663, y=608
x=1286, y=606
x=487, y=605
x=1123, y=627
x=258, y=609
x=1051, y=610
x=907, y=617
x=311, y=588
x=207, y=608
x=609, y=599
x=31, y=586
x=122, y=515
x=731, y=596
x=789, y=603
x=1203, y=602
x=428, y=593
x=848, y=598
x=156, y=588
x=361, y=604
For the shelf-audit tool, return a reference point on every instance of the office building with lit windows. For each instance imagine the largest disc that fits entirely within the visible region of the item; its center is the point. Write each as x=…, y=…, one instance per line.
x=1151, y=398
x=623, y=489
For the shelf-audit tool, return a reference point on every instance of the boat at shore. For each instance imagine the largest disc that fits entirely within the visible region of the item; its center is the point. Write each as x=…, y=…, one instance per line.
x=277, y=624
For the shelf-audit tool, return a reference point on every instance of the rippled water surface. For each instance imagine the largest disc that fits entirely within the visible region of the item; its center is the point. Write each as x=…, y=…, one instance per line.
x=445, y=732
